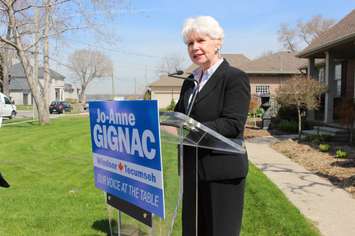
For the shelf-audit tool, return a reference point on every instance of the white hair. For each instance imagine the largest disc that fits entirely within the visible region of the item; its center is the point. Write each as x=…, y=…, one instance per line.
x=202, y=25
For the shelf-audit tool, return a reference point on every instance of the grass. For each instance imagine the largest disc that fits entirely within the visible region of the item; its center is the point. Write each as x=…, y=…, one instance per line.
x=10, y=121
x=52, y=188
x=24, y=107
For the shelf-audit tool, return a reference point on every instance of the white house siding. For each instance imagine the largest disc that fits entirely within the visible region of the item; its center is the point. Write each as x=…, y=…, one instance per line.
x=164, y=97
x=69, y=95
x=18, y=98
x=59, y=85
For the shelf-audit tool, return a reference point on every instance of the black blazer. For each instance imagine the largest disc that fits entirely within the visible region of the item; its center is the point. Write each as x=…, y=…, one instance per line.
x=222, y=105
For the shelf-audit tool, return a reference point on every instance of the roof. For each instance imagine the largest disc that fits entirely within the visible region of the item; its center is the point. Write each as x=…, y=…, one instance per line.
x=276, y=63
x=17, y=71
x=343, y=31
x=17, y=84
x=167, y=81
x=96, y=97
x=236, y=60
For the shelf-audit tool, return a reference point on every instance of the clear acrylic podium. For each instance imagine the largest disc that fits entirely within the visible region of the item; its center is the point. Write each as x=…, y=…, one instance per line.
x=178, y=130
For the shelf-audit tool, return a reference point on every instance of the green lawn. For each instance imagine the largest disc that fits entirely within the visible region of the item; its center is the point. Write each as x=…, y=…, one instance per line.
x=24, y=107
x=16, y=120
x=52, y=189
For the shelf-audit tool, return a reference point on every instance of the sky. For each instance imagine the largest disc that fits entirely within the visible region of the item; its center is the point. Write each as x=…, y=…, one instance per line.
x=147, y=31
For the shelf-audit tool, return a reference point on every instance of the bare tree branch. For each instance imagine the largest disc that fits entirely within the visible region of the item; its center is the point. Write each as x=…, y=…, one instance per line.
x=88, y=65
x=292, y=38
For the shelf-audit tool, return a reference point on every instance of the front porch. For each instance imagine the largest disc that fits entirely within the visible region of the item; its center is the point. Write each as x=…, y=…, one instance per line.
x=335, y=67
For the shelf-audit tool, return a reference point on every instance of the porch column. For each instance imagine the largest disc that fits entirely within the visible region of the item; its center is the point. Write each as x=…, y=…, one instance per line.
x=311, y=73
x=330, y=82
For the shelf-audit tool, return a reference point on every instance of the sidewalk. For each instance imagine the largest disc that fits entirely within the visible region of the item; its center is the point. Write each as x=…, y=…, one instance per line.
x=330, y=208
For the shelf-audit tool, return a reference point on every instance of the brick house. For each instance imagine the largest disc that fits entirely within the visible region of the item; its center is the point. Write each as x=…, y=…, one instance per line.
x=265, y=73
x=167, y=88
x=268, y=72
x=331, y=60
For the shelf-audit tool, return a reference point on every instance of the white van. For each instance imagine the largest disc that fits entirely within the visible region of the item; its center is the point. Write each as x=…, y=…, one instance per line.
x=7, y=109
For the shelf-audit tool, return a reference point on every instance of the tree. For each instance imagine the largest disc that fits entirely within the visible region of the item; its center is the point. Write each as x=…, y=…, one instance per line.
x=6, y=60
x=148, y=94
x=307, y=31
x=26, y=29
x=171, y=63
x=293, y=38
x=302, y=92
x=171, y=106
x=19, y=22
x=287, y=37
x=88, y=65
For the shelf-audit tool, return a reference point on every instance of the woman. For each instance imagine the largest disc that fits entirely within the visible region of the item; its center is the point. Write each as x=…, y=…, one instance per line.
x=221, y=102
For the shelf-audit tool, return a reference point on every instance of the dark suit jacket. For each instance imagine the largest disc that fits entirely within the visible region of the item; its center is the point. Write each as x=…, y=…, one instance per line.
x=222, y=105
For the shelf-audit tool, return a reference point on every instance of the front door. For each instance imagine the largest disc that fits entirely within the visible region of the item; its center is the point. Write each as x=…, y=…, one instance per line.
x=57, y=94
x=25, y=99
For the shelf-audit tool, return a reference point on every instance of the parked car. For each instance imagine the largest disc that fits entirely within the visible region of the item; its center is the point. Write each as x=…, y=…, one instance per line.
x=60, y=107
x=7, y=108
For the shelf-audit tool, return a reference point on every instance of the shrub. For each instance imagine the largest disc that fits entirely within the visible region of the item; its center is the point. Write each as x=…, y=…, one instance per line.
x=259, y=112
x=341, y=154
x=324, y=147
x=288, y=126
x=171, y=105
x=317, y=138
x=71, y=100
x=288, y=113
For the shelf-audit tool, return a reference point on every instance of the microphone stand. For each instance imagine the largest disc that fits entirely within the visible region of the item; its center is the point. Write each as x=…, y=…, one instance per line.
x=177, y=75
x=189, y=109
x=193, y=98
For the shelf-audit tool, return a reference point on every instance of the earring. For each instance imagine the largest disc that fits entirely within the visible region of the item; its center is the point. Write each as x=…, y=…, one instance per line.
x=217, y=50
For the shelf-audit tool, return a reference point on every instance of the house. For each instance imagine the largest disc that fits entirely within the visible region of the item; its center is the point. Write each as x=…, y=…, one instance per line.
x=20, y=91
x=268, y=72
x=102, y=97
x=265, y=73
x=71, y=92
x=331, y=60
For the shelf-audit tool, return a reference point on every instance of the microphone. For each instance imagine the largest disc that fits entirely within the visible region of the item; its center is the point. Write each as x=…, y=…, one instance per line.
x=178, y=74
x=195, y=90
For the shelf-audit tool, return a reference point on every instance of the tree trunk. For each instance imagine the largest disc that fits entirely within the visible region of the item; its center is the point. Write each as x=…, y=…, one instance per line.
x=82, y=96
x=7, y=55
x=43, y=113
x=6, y=78
x=299, y=123
x=46, y=75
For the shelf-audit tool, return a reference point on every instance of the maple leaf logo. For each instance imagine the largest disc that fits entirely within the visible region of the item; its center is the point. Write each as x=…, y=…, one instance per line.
x=120, y=166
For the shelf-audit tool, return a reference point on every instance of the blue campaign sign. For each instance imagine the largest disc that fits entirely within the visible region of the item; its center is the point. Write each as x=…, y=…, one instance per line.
x=125, y=139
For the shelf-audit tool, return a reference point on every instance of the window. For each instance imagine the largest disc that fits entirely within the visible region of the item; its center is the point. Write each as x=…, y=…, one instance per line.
x=7, y=101
x=262, y=89
x=338, y=80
